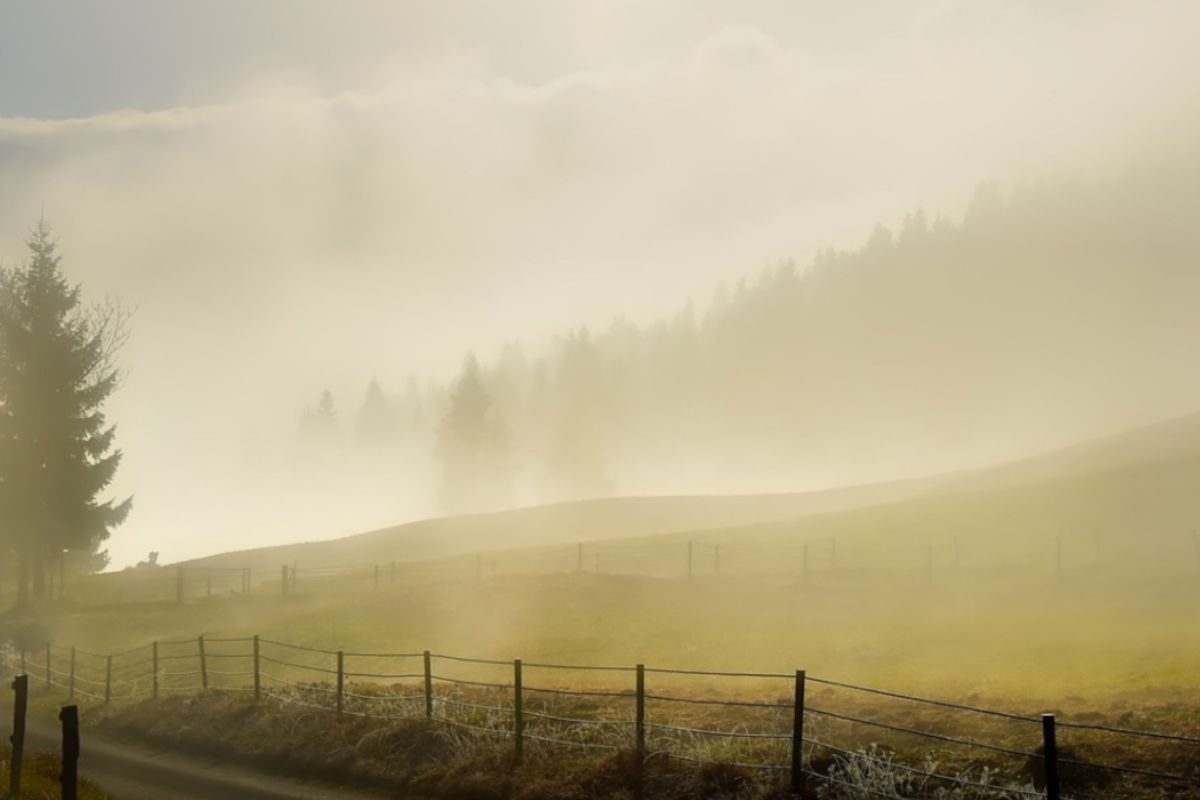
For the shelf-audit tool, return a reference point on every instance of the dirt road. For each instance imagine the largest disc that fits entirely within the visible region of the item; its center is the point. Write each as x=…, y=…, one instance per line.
x=138, y=772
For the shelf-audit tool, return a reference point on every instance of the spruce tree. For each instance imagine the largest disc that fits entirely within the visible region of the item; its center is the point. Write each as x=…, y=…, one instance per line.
x=56, y=372
x=473, y=447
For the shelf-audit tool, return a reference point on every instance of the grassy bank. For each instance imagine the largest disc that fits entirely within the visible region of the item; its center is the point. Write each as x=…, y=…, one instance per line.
x=40, y=777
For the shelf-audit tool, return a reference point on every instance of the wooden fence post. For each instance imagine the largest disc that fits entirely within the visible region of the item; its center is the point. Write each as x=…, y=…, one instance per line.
x=154, y=665
x=20, y=687
x=1050, y=757
x=428, y=686
x=179, y=584
x=257, y=674
x=108, y=679
x=798, y=781
x=203, y=663
x=640, y=711
x=71, y=685
x=69, y=779
x=49, y=682
x=518, y=714
x=341, y=679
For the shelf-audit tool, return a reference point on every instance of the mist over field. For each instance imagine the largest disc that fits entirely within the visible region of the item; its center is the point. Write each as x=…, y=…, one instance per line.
x=627, y=214
x=544, y=400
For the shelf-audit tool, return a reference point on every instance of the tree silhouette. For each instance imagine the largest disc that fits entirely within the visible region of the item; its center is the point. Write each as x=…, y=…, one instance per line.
x=375, y=424
x=319, y=422
x=473, y=447
x=56, y=372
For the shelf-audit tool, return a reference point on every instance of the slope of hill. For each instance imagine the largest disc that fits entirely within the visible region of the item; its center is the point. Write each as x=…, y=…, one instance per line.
x=1131, y=496
x=559, y=524
x=1129, y=501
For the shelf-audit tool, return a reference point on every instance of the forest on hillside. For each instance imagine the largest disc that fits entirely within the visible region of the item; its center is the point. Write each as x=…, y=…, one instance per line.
x=1051, y=313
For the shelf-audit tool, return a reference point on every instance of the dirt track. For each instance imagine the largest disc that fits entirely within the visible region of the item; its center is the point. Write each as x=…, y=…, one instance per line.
x=138, y=772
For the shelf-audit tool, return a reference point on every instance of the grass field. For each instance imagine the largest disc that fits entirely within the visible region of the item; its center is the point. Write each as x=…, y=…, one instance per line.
x=1068, y=583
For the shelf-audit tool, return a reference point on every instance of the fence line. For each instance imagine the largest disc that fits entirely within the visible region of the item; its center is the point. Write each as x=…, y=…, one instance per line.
x=562, y=716
x=809, y=557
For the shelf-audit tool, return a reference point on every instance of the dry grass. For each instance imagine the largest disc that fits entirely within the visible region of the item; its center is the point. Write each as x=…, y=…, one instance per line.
x=413, y=758
x=39, y=777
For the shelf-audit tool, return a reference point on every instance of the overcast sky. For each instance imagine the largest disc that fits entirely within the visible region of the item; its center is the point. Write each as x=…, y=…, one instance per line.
x=297, y=195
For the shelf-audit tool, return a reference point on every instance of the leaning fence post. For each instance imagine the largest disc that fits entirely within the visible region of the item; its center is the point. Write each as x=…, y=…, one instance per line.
x=428, y=686
x=798, y=736
x=48, y=680
x=518, y=714
x=203, y=663
x=257, y=674
x=108, y=679
x=1050, y=756
x=154, y=665
x=640, y=718
x=71, y=683
x=20, y=687
x=341, y=677
x=69, y=779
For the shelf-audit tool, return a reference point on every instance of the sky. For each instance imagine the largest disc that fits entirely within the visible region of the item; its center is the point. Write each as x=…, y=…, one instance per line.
x=301, y=195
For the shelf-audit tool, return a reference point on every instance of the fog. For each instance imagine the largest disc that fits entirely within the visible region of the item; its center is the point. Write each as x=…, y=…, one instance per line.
x=302, y=198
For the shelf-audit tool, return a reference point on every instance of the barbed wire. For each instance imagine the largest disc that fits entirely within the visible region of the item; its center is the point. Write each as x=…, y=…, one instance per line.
x=925, y=700
x=710, y=702
x=137, y=686
x=923, y=734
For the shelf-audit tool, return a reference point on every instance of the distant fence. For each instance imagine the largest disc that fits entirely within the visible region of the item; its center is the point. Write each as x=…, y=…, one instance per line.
x=811, y=560
x=795, y=727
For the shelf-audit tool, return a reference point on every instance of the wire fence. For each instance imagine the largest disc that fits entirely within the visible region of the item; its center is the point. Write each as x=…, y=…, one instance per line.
x=783, y=726
x=808, y=559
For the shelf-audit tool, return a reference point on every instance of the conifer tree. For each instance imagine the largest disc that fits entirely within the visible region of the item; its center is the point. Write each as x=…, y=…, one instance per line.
x=473, y=447
x=56, y=372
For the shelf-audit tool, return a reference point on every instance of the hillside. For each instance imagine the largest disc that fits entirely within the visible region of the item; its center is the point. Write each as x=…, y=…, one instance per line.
x=558, y=524
x=1126, y=502
x=1131, y=494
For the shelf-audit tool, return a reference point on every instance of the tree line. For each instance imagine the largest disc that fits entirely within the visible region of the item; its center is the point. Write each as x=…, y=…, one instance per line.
x=1055, y=312
x=58, y=453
